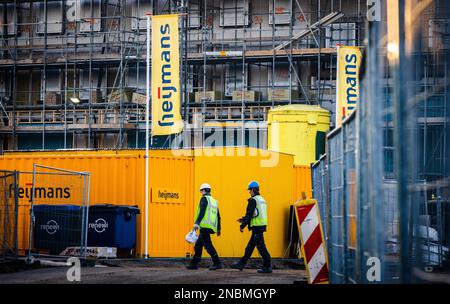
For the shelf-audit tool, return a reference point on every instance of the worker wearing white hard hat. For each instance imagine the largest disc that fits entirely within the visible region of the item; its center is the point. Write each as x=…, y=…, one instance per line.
x=205, y=186
x=207, y=220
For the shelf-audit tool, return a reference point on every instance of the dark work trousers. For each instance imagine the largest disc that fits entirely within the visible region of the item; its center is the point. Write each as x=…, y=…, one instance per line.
x=204, y=240
x=257, y=240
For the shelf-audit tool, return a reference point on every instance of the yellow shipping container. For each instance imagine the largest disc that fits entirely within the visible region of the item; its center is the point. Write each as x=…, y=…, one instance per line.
x=302, y=182
x=229, y=177
x=117, y=177
x=298, y=130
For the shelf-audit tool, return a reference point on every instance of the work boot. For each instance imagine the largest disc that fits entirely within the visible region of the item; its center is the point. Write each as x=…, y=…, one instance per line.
x=237, y=266
x=216, y=266
x=216, y=263
x=192, y=267
x=193, y=264
x=265, y=270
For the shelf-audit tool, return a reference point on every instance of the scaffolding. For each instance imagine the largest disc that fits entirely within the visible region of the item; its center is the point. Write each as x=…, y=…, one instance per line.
x=73, y=71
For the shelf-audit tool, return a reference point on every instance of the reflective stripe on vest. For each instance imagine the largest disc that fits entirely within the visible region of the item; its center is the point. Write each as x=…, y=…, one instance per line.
x=210, y=218
x=260, y=217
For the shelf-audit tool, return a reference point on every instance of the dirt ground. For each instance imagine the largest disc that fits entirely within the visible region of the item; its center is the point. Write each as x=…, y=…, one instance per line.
x=152, y=273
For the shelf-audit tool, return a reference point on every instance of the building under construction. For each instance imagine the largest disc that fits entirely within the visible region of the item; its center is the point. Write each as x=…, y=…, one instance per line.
x=73, y=77
x=239, y=58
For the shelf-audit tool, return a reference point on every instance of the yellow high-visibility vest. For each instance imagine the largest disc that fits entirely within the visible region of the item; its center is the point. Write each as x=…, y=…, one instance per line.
x=260, y=216
x=210, y=219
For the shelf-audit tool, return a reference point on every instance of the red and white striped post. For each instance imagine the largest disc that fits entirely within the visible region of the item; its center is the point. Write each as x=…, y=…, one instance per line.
x=313, y=244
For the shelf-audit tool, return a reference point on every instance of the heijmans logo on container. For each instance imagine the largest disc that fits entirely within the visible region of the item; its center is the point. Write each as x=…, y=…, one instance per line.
x=51, y=227
x=41, y=192
x=100, y=225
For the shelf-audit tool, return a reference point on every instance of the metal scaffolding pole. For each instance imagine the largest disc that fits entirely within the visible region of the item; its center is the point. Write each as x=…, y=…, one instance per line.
x=244, y=84
x=90, y=72
x=318, y=54
x=400, y=101
x=66, y=68
x=44, y=82
x=122, y=72
x=273, y=53
x=14, y=86
x=147, y=135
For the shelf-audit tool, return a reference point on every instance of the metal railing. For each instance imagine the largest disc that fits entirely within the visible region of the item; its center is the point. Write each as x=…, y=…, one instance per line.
x=113, y=117
x=59, y=212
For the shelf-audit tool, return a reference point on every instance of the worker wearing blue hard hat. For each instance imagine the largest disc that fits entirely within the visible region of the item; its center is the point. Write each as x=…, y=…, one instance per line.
x=252, y=184
x=256, y=220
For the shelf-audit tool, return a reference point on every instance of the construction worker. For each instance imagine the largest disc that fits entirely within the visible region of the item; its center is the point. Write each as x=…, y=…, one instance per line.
x=208, y=221
x=256, y=220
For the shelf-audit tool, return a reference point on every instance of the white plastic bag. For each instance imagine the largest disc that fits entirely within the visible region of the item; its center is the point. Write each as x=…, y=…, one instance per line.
x=191, y=237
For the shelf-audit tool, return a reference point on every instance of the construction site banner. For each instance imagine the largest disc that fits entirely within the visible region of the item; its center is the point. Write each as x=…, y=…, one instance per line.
x=166, y=118
x=347, y=87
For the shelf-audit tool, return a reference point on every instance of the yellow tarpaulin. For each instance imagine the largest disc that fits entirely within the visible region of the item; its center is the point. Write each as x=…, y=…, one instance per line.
x=347, y=88
x=166, y=118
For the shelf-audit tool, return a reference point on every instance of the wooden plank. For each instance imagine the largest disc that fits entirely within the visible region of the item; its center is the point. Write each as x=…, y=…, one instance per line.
x=35, y=128
x=288, y=51
x=105, y=57
x=100, y=126
x=62, y=59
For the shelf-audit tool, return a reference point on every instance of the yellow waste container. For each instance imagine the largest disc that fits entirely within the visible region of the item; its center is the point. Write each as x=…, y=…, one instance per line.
x=299, y=130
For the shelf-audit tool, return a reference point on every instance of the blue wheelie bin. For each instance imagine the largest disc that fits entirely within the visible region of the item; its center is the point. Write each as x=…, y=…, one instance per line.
x=57, y=227
x=113, y=226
